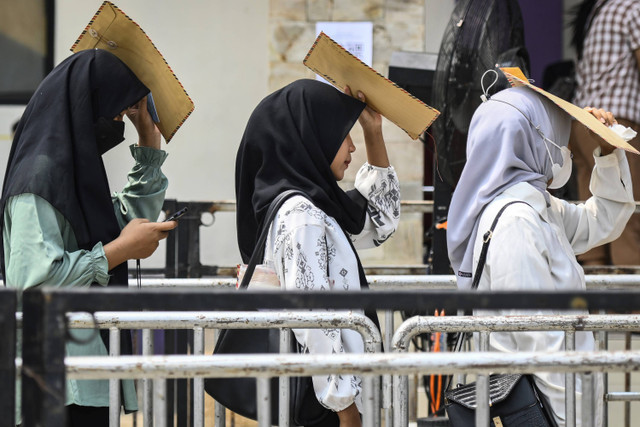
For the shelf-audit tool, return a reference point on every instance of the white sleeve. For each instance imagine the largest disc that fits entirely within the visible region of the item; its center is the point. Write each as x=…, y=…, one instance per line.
x=381, y=188
x=603, y=217
x=301, y=260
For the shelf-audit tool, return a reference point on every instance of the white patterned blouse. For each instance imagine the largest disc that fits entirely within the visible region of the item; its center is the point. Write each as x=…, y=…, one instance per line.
x=309, y=251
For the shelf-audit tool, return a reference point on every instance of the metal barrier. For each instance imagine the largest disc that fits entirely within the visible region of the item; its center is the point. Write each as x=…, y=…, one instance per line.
x=487, y=324
x=368, y=365
x=8, y=301
x=45, y=326
x=114, y=321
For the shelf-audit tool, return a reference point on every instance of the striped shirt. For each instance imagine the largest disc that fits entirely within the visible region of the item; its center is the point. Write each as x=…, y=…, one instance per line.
x=608, y=74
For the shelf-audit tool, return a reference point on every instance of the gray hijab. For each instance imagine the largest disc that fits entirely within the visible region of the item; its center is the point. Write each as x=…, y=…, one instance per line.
x=503, y=149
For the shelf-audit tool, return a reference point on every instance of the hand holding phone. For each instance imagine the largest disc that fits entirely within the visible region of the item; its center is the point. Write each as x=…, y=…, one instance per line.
x=176, y=215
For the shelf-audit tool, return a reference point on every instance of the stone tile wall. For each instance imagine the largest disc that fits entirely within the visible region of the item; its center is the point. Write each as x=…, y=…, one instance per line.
x=397, y=25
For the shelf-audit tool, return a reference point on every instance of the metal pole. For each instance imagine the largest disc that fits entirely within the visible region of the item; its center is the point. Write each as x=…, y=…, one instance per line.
x=401, y=407
x=284, y=382
x=219, y=410
x=43, y=371
x=386, y=379
x=160, y=402
x=147, y=384
x=570, y=383
x=114, y=384
x=482, y=388
x=7, y=357
x=369, y=401
x=627, y=383
x=263, y=401
x=588, y=401
x=198, y=382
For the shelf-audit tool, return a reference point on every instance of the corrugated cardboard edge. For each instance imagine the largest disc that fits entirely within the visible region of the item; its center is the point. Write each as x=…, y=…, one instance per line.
x=515, y=80
x=333, y=82
x=118, y=10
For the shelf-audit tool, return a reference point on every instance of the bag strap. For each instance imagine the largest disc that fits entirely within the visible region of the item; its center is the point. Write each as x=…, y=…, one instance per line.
x=258, y=252
x=486, y=240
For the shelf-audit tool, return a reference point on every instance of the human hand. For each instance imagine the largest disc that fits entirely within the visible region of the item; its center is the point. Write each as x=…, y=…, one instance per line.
x=350, y=417
x=137, y=240
x=148, y=132
x=370, y=120
x=606, y=118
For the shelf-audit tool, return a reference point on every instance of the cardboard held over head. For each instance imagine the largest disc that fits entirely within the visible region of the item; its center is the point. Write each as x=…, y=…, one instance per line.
x=330, y=60
x=517, y=78
x=112, y=30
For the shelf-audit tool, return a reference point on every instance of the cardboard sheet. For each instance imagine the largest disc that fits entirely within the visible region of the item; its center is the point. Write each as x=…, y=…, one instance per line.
x=112, y=30
x=517, y=78
x=334, y=63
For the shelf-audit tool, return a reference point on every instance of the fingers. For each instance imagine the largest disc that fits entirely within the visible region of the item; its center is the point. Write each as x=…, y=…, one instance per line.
x=605, y=117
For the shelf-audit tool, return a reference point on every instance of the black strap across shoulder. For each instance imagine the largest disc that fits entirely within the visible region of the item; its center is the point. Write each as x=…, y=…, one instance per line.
x=258, y=252
x=486, y=239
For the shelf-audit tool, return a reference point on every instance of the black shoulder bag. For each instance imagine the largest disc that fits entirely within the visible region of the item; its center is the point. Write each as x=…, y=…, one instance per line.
x=514, y=398
x=239, y=394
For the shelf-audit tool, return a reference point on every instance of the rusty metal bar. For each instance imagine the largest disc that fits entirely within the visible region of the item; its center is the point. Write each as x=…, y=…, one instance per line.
x=229, y=366
x=114, y=385
x=593, y=281
x=570, y=382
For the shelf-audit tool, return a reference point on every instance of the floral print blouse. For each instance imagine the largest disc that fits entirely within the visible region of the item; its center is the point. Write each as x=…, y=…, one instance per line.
x=309, y=251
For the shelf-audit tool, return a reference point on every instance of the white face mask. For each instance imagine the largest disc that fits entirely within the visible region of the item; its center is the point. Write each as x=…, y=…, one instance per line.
x=561, y=174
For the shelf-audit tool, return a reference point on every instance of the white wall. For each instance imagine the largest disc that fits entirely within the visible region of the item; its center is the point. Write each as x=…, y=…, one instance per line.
x=218, y=49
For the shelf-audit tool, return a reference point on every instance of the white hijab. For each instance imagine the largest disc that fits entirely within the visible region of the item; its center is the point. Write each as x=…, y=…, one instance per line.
x=503, y=149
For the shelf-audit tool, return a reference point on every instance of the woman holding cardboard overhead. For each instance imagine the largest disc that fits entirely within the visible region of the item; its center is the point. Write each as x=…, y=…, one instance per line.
x=61, y=227
x=516, y=150
x=298, y=139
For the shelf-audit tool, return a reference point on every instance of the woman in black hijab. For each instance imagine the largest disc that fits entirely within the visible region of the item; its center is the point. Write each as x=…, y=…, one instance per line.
x=298, y=139
x=60, y=225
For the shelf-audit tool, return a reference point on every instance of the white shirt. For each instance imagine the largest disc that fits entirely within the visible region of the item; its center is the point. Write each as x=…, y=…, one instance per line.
x=534, y=247
x=309, y=251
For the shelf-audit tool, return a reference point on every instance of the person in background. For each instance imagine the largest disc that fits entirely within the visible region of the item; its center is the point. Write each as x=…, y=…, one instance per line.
x=607, y=41
x=60, y=225
x=298, y=139
x=516, y=151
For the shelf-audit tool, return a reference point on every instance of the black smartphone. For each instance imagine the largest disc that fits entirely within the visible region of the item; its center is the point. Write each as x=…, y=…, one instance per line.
x=176, y=215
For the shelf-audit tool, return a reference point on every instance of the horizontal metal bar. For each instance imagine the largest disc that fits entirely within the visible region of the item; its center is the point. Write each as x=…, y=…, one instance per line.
x=391, y=281
x=622, y=396
x=407, y=206
x=595, y=322
x=216, y=366
x=112, y=299
x=395, y=281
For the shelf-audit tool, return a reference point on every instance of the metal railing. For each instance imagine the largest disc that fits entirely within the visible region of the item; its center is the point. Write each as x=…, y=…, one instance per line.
x=264, y=367
x=487, y=324
x=45, y=326
x=115, y=321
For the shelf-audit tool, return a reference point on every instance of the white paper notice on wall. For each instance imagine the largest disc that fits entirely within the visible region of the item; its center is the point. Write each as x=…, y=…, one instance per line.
x=355, y=37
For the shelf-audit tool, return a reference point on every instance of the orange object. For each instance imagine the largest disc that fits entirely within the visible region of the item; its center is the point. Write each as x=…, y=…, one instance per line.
x=440, y=226
x=436, y=394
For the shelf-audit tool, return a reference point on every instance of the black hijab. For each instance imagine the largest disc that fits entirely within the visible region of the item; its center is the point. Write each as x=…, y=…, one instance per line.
x=54, y=152
x=289, y=143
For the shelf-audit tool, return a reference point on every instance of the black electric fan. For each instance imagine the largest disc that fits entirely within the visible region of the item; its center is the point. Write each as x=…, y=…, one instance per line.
x=481, y=35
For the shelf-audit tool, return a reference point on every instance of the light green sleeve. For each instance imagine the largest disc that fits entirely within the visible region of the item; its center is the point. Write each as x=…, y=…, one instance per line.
x=143, y=195
x=35, y=245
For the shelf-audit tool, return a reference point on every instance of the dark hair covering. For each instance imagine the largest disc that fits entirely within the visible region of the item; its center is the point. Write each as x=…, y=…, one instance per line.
x=291, y=139
x=54, y=152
